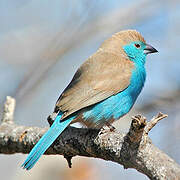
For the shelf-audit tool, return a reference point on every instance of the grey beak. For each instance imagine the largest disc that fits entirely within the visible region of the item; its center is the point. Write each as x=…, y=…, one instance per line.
x=149, y=49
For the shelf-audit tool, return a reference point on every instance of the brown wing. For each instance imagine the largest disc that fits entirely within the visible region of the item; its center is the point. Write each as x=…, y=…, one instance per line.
x=101, y=76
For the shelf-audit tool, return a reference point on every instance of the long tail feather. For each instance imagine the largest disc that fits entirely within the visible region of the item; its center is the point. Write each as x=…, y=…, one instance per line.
x=46, y=140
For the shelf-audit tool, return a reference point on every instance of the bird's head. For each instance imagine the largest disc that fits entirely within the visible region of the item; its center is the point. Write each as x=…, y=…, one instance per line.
x=138, y=50
x=131, y=44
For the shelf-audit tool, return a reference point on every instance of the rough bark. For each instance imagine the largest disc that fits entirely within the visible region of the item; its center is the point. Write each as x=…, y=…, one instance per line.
x=132, y=150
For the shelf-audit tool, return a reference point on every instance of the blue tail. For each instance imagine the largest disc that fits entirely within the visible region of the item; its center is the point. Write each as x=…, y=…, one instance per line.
x=46, y=140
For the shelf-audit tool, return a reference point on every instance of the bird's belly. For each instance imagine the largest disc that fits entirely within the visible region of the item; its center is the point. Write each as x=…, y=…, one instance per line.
x=108, y=110
x=115, y=106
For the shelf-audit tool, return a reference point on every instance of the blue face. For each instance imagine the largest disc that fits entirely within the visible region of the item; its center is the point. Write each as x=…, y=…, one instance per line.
x=135, y=51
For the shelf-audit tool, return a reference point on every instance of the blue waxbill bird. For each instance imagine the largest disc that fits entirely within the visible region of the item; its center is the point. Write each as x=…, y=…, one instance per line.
x=103, y=89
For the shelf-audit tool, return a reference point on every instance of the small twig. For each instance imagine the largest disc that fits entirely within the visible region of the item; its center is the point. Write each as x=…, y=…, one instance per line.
x=154, y=121
x=8, y=111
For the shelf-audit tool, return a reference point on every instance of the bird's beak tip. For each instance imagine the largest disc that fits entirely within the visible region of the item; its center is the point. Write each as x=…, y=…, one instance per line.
x=149, y=49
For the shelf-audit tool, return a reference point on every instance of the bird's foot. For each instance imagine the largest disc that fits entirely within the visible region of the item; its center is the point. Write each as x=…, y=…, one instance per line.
x=103, y=131
x=107, y=129
x=110, y=126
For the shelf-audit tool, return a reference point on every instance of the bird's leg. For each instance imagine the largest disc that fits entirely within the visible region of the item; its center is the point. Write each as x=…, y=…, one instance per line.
x=111, y=127
x=105, y=130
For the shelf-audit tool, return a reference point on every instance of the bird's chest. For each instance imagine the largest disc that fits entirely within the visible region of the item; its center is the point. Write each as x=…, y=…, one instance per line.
x=137, y=81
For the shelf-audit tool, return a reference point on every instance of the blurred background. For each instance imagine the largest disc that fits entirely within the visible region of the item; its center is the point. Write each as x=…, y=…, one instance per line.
x=42, y=43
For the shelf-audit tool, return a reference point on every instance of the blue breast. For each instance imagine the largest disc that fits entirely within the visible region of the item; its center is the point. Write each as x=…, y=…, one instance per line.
x=118, y=105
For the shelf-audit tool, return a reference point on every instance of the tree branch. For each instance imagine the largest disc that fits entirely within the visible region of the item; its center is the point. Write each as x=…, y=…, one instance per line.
x=132, y=150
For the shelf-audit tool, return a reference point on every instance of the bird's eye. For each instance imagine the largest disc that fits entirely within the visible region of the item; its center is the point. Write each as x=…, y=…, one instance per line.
x=137, y=45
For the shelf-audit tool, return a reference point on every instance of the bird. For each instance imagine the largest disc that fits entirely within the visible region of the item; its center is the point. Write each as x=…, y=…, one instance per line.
x=103, y=89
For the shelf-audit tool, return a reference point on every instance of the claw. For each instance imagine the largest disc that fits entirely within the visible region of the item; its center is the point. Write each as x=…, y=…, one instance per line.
x=110, y=126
